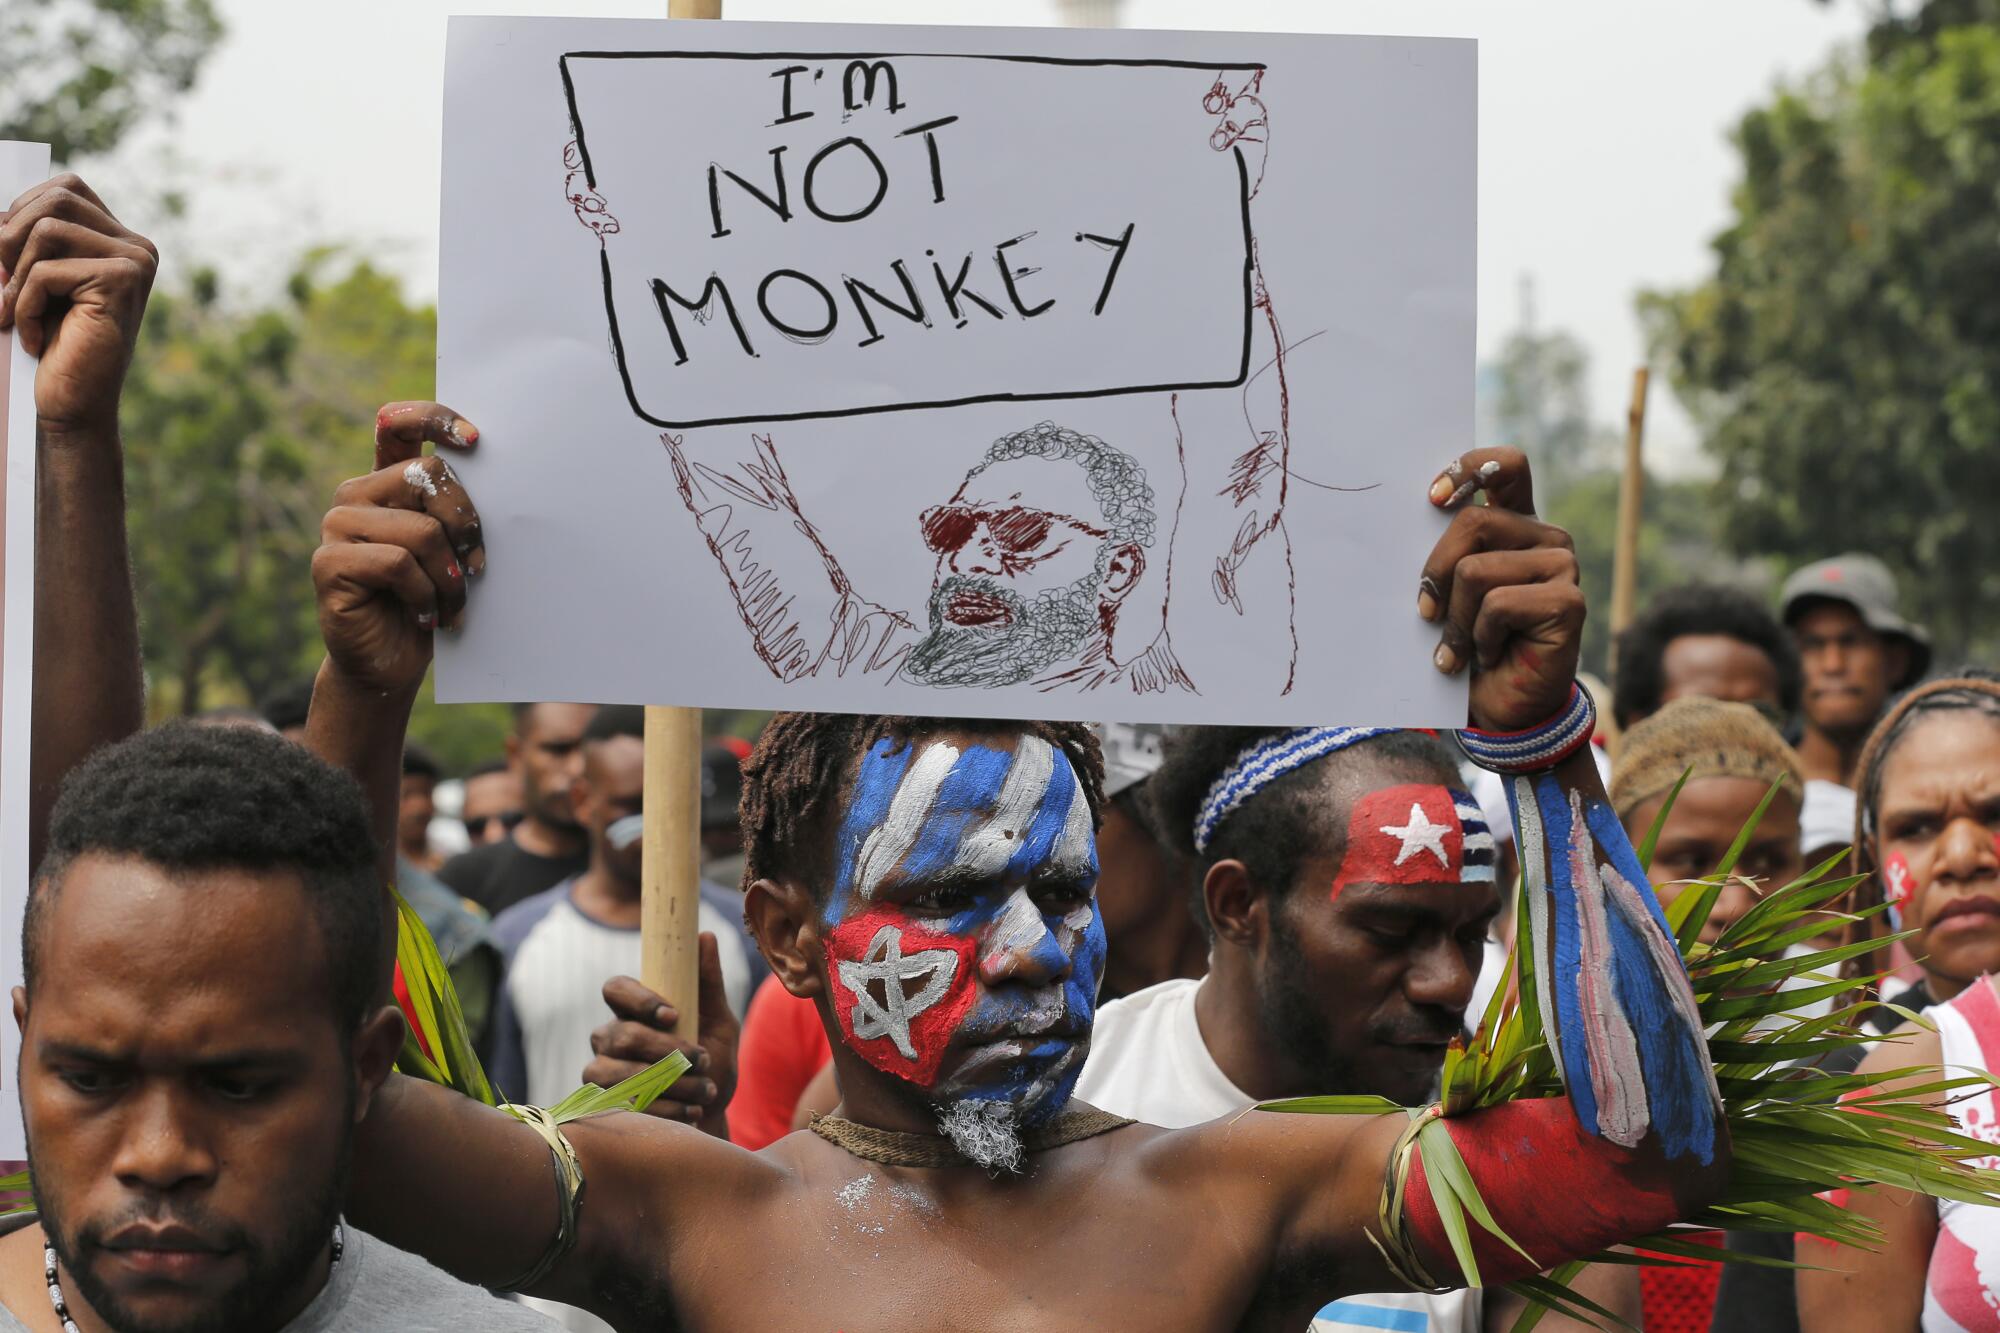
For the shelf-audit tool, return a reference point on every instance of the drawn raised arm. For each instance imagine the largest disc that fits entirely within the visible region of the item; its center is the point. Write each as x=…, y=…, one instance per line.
x=803, y=614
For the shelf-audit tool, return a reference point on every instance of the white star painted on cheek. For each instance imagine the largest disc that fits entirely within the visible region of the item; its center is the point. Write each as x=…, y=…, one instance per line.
x=885, y=962
x=1420, y=835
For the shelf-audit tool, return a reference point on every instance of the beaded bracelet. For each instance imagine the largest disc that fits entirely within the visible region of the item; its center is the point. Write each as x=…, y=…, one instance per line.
x=1539, y=747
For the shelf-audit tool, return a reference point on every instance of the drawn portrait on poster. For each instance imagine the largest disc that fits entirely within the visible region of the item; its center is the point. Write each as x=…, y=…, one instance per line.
x=968, y=367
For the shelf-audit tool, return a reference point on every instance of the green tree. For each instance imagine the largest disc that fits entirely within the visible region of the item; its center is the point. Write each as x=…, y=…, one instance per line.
x=77, y=74
x=1844, y=359
x=238, y=427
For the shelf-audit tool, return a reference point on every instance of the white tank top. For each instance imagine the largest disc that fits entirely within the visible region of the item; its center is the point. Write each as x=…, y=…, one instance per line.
x=1962, y=1289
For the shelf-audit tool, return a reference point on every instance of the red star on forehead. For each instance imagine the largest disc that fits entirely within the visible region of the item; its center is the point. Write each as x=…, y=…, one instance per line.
x=1408, y=834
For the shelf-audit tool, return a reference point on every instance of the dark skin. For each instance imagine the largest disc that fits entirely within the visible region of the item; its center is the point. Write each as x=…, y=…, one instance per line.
x=413, y=819
x=1115, y=1230
x=1716, y=666
x=1707, y=816
x=490, y=799
x=1142, y=896
x=1939, y=808
x=1849, y=673
x=154, y=1097
x=76, y=285
x=1391, y=969
x=611, y=786
x=545, y=753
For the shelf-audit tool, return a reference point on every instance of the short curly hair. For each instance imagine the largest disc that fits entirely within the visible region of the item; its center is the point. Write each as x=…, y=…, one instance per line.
x=1116, y=479
x=185, y=797
x=1275, y=831
x=1696, y=608
x=794, y=777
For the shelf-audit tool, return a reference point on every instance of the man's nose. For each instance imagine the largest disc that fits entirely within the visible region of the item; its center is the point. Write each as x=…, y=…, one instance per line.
x=1020, y=948
x=163, y=1148
x=979, y=555
x=1439, y=976
x=1966, y=850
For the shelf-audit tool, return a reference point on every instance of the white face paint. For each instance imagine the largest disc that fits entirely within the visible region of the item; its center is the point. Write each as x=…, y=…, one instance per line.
x=1018, y=928
x=891, y=841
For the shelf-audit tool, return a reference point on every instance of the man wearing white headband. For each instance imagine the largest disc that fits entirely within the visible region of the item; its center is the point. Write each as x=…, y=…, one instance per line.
x=1346, y=883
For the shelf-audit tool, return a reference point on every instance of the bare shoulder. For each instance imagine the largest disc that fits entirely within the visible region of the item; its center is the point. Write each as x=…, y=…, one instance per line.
x=1914, y=1045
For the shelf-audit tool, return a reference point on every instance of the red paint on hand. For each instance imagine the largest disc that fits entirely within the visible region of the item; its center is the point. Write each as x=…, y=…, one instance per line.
x=1556, y=1189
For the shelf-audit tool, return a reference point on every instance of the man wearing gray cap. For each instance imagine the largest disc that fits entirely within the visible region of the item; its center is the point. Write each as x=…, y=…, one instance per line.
x=1857, y=650
x=1144, y=890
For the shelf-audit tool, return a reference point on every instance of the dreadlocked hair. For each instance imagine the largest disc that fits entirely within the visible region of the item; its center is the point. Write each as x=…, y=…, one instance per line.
x=794, y=777
x=1971, y=690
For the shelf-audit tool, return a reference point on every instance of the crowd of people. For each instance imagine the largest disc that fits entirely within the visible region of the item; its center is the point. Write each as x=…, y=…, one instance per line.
x=985, y=1005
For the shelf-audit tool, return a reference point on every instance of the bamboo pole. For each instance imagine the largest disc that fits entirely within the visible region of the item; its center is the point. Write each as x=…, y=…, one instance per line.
x=1631, y=501
x=670, y=880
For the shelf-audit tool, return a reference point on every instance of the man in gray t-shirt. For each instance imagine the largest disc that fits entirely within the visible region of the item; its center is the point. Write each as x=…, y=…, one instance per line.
x=376, y=1286
x=202, y=1026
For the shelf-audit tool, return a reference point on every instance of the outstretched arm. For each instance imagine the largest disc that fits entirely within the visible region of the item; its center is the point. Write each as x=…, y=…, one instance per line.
x=76, y=291
x=1639, y=1141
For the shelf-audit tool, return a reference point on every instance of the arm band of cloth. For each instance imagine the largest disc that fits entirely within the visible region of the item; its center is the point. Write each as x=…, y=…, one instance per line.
x=1539, y=748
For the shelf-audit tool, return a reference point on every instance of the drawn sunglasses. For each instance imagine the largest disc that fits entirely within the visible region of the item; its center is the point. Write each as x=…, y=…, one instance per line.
x=1015, y=529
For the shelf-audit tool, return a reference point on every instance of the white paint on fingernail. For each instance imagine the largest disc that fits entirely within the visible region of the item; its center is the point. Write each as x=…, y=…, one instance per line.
x=1489, y=470
x=417, y=476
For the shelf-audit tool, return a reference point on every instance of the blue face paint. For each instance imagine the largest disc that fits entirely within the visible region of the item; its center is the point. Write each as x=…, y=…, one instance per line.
x=995, y=849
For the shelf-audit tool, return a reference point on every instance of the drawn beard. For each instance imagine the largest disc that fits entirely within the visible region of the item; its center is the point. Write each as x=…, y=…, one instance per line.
x=1037, y=634
x=985, y=1133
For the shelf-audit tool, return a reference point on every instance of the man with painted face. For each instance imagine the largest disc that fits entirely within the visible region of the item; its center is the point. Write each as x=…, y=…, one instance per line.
x=1346, y=905
x=927, y=883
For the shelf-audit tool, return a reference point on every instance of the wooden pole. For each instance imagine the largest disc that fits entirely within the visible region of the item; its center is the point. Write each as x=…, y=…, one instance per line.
x=670, y=883
x=1631, y=500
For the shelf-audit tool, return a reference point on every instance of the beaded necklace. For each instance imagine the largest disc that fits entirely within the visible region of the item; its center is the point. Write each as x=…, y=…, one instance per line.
x=62, y=1306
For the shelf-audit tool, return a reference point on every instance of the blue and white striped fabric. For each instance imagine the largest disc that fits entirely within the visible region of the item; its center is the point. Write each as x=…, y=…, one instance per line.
x=1481, y=856
x=1264, y=763
x=1399, y=1313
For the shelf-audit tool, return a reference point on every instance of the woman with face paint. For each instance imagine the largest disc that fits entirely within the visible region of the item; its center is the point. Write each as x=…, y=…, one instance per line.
x=1929, y=788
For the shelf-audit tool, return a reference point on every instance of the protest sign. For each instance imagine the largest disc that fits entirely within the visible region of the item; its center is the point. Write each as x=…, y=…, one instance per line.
x=22, y=165
x=1000, y=372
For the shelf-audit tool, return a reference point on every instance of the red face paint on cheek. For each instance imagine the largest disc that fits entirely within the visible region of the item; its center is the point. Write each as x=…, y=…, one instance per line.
x=1898, y=882
x=1410, y=834
x=899, y=991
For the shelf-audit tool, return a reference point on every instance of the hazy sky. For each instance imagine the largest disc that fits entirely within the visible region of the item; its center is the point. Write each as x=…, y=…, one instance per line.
x=1604, y=162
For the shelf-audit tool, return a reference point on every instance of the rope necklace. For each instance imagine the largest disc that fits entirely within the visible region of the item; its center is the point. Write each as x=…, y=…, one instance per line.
x=62, y=1306
x=889, y=1147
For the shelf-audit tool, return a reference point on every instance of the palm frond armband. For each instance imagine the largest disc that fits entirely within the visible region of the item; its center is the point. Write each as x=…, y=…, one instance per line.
x=1538, y=748
x=1397, y=1251
x=569, y=1192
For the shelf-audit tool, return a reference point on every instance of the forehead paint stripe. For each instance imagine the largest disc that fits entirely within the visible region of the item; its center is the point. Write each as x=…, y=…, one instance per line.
x=1078, y=844
x=1406, y=834
x=1051, y=819
x=874, y=788
x=988, y=848
x=967, y=796
x=890, y=840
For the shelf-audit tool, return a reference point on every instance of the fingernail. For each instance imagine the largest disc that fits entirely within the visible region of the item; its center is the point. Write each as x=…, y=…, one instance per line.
x=427, y=620
x=1427, y=600
x=1441, y=490
x=1445, y=659
x=476, y=562
x=463, y=431
x=694, y=1114
x=708, y=1095
x=451, y=570
x=701, y=1062
x=664, y=1015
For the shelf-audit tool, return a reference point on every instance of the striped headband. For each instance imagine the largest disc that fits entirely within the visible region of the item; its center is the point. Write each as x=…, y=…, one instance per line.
x=1267, y=761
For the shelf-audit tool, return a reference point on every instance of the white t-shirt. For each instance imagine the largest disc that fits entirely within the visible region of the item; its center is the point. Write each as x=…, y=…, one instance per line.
x=1148, y=1061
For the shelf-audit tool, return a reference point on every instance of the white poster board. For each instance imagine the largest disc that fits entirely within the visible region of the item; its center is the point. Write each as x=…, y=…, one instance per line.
x=948, y=370
x=22, y=165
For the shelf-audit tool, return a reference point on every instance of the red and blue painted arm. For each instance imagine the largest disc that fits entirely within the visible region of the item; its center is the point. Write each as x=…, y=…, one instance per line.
x=1641, y=1136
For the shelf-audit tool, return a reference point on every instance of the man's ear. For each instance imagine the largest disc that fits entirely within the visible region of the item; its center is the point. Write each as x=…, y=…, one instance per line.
x=376, y=1046
x=1128, y=563
x=785, y=924
x=1237, y=908
x=579, y=797
x=513, y=753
